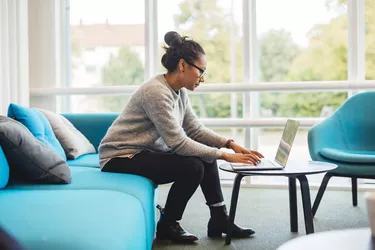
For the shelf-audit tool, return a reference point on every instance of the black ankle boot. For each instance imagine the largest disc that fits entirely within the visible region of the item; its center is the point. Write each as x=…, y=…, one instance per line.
x=171, y=230
x=218, y=224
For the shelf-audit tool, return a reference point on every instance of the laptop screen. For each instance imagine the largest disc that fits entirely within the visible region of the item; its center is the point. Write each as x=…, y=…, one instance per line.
x=290, y=131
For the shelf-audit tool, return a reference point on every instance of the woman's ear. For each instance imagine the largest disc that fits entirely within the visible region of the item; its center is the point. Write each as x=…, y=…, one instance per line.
x=181, y=65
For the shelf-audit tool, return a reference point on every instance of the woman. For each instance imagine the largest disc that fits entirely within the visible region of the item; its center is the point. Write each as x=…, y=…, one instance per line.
x=158, y=136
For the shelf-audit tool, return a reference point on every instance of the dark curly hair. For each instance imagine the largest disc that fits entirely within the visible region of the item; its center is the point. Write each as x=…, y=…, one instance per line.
x=179, y=48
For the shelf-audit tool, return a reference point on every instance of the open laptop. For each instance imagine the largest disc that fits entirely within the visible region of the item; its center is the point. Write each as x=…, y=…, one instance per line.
x=287, y=139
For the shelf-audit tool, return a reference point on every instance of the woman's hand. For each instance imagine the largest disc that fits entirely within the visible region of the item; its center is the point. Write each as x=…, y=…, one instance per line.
x=239, y=158
x=238, y=149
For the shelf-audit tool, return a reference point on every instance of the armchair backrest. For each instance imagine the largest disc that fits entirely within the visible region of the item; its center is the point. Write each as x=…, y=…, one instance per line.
x=356, y=118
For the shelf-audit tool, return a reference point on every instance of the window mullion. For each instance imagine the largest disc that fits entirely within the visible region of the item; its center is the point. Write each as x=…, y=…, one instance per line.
x=151, y=38
x=251, y=73
x=356, y=41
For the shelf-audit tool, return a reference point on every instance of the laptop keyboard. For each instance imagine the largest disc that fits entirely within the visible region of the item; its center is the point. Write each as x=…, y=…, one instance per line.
x=265, y=161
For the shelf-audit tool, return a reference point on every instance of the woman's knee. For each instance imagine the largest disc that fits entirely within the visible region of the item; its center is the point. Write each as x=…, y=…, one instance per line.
x=193, y=166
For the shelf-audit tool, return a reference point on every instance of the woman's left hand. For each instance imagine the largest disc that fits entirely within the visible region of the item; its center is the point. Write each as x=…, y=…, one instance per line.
x=238, y=149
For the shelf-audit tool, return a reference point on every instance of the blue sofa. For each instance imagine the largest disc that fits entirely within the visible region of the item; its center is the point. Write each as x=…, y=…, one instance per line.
x=97, y=210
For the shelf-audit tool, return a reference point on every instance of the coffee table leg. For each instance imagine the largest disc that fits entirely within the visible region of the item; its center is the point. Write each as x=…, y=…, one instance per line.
x=306, y=203
x=233, y=206
x=293, y=205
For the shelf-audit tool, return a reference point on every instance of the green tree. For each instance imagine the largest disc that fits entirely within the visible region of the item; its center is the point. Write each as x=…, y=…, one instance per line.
x=207, y=23
x=369, y=31
x=324, y=59
x=277, y=52
x=370, y=39
x=124, y=69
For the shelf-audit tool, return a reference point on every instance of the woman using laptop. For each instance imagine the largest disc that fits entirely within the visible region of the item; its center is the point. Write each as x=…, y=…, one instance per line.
x=159, y=136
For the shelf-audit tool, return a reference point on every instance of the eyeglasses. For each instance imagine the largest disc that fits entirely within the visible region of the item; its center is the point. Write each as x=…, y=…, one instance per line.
x=202, y=71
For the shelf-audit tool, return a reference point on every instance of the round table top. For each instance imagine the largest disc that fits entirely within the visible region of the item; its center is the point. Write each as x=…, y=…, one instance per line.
x=347, y=239
x=291, y=169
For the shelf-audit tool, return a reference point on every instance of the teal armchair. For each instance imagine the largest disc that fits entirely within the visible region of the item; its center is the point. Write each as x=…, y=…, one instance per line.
x=346, y=138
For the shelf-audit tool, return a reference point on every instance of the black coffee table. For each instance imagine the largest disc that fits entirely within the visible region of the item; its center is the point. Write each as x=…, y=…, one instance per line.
x=293, y=172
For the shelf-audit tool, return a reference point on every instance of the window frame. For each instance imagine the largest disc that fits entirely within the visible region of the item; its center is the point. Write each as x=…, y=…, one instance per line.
x=251, y=89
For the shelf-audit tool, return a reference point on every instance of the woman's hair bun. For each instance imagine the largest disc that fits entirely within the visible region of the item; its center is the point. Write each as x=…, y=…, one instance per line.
x=178, y=48
x=172, y=38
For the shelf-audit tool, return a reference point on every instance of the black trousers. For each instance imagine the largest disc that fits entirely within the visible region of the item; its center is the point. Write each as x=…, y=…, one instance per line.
x=186, y=173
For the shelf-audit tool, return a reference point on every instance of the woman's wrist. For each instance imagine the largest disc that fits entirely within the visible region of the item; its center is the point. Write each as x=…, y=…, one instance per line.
x=229, y=143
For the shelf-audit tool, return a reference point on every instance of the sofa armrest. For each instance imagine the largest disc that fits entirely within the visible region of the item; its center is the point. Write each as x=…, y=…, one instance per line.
x=92, y=125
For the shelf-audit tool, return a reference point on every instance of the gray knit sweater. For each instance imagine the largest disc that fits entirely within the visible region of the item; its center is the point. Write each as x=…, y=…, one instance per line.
x=160, y=120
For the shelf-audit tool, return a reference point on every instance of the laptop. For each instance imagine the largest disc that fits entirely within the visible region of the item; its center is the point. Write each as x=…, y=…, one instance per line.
x=282, y=154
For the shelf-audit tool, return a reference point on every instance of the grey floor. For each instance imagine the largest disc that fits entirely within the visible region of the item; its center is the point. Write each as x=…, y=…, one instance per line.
x=267, y=212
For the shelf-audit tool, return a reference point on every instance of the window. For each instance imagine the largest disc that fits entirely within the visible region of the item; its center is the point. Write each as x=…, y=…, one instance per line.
x=370, y=39
x=98, y=103
x=107, y=48
x=90, y=68
x=217, y=26
x=305, y=43
x=297, y=42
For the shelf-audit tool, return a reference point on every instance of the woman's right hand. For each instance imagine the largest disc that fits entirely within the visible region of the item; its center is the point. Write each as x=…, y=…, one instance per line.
x=240, y=158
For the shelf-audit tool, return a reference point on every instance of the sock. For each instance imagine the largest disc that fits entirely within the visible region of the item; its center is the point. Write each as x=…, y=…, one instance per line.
x=219, y=204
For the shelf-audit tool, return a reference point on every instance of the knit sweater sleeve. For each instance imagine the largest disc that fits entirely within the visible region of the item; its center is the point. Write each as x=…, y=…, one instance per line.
x=198, y=132
x=158, y=104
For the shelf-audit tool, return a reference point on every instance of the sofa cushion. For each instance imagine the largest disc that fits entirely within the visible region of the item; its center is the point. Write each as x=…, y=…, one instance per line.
x=92, y=178
x=4, y=169
x=87, y=160
x=73, y=142
x=38, y=125
x=353, y=156
x=73, y=219
x=29, y=158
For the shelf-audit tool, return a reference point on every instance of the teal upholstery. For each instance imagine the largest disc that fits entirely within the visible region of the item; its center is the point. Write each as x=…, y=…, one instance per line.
x=93, y=126
x=84, y=178
x=97, y=210
x=60, y=219
x=4, y=169
x=353, y=156
x=38, y=125
x=347, y=139
x=87, y=160
x=341, y=137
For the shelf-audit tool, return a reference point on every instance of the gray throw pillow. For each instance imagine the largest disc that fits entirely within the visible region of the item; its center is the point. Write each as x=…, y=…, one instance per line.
x=73, y=142
x=29, y=158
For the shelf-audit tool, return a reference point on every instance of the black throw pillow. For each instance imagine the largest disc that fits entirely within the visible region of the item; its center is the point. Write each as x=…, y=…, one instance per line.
x=29, y=158
x=7, y=242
